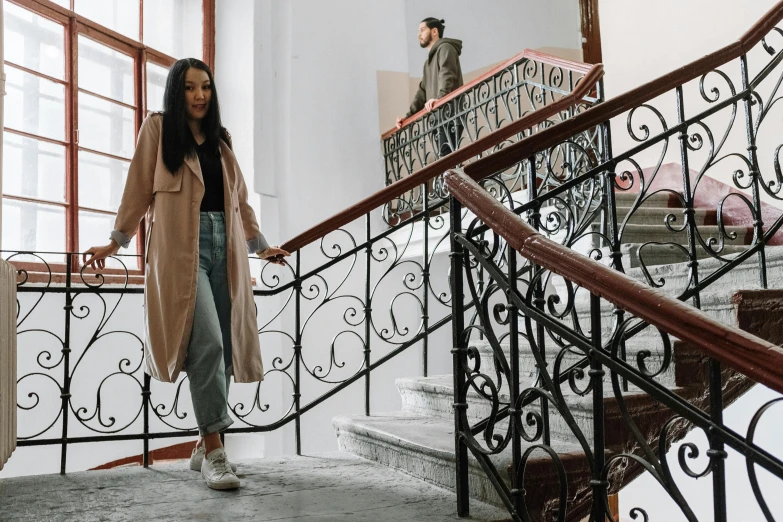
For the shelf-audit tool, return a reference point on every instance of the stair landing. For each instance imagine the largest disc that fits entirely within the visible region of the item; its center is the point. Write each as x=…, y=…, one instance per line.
x=326, y=487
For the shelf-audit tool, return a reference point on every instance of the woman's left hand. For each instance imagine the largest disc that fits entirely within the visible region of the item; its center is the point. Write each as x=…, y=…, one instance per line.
x=274, y=255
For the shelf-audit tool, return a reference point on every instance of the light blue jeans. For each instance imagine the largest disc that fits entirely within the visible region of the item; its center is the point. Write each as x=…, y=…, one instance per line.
x=208, y=363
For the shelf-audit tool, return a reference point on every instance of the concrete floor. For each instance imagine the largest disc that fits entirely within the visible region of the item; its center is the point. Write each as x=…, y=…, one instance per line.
x=331, y=487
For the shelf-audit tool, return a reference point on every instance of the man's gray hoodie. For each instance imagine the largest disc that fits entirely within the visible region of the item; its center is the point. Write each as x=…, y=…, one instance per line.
x=442, y=73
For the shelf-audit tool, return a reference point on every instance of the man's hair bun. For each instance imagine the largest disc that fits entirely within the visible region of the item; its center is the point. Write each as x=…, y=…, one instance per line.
x=435, y=23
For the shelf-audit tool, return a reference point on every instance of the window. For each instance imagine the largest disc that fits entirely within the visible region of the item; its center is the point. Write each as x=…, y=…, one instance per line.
x=81, y=77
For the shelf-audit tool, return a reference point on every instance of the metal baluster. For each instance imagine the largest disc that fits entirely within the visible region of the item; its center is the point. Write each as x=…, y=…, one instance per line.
x=758, y=221
x=517, y=495
x=717, y=452
x=298, y=355
x=459, y=357
x=145, y=396
x=66, y=390
x=368, y=318
x=600, y=509
x=426, y=285
x=693, y=264
x=534, y=217
x=612, y=227
x=515, y=74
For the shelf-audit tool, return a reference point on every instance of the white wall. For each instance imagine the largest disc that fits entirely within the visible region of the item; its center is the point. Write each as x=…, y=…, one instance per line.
x=641, y=41
x=2, y=106
x=494, y=31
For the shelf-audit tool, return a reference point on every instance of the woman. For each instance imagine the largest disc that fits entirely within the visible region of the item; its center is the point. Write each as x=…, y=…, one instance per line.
x=199, y=309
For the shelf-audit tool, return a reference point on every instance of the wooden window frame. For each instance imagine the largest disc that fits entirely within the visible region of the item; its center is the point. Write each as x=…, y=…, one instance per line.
x=75, y=25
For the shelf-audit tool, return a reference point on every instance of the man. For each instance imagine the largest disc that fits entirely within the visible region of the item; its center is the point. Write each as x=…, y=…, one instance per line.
x=442, y=72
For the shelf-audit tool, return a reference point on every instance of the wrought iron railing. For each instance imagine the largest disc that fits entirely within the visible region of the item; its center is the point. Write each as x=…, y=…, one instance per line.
x=679, y=218
x=697, y=182
x=555, y=422
x=516, y=88
x=80, y=335
x=367, y=278
x=573, y=184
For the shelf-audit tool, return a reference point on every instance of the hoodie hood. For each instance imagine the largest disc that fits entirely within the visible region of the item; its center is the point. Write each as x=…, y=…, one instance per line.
x=457, y=44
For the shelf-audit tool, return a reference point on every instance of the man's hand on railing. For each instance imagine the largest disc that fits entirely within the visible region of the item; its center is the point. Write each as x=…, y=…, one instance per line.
x=427, y=106
x=274, y=255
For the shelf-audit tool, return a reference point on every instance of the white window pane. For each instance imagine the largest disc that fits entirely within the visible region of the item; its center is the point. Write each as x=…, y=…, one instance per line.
x=33, y=168
x=101, y=181
x=156, y=85
x=106, y=127
x=119, y=15
x=175, y=27
x=34, y=42
x=34, y=105
x=34, y=227
x=94, y=229
x=105, y=71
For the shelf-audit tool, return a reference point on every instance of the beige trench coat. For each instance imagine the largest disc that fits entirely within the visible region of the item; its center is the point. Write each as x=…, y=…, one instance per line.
x=172, y=204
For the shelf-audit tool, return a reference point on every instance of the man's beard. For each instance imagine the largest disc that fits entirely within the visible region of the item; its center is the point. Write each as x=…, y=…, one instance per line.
x=426, y=42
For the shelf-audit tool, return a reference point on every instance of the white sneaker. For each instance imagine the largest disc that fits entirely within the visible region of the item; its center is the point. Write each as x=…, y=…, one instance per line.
x=217, y=472
x=198, y=456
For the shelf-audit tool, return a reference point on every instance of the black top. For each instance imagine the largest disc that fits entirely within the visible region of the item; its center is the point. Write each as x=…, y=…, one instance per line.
x=212, y=172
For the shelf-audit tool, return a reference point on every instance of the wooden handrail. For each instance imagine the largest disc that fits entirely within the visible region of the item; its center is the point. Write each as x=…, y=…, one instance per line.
x=758, y=359
x=607, y=110
x=526, y=54
x=400, y=187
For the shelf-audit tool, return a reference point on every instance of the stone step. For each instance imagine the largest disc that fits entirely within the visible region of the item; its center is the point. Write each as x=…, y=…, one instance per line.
x=744, y=276
x=434, y=397
x=660, y=199
x=649, y=215
x=423, y=446
x=715, y=299
x=633, y=233
x=657, y=254
x=658, y=244
x=528, y=365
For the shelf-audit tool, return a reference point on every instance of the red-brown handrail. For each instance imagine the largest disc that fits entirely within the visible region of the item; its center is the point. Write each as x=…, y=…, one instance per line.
x=758, y=359
x=529, y=54
x=400, y=187
x=607, y=110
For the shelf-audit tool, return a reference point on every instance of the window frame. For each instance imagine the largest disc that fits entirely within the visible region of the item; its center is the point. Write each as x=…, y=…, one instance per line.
x=75, y=25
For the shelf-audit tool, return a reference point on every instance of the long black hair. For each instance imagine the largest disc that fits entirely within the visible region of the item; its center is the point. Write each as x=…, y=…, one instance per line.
x=178, y=142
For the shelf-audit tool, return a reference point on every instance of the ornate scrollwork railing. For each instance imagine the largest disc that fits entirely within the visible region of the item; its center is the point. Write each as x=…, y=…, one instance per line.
x=346, y=304
x=514, y=89
x=582, y=441
x=690, y=173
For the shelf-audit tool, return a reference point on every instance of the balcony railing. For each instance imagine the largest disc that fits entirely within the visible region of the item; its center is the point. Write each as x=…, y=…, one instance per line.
x=524, y=84
x=326, y=321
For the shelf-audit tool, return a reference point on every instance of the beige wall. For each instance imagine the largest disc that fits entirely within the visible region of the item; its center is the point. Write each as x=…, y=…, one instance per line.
x=396, y=89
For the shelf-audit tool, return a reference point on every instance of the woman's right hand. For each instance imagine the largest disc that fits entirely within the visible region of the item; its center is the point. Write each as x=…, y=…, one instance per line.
x=98, y=255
